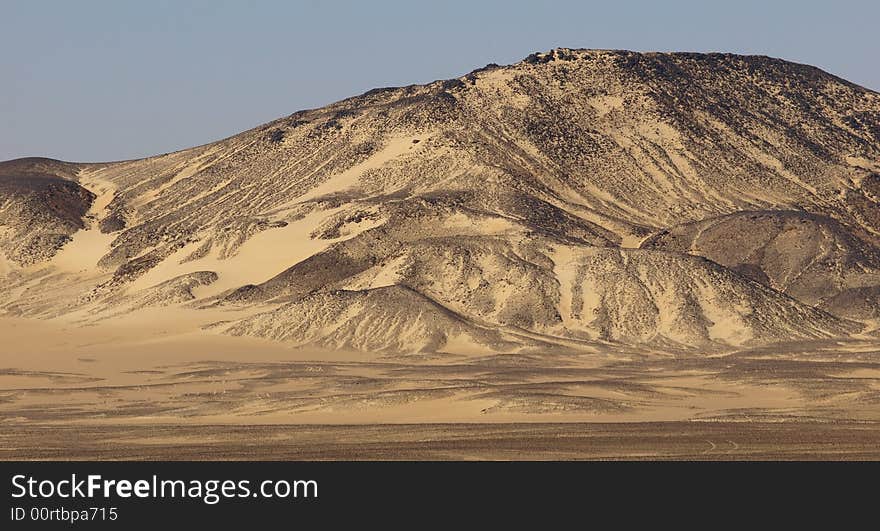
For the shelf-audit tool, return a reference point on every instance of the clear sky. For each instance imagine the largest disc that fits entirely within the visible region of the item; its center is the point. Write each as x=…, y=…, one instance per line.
x=91, y=80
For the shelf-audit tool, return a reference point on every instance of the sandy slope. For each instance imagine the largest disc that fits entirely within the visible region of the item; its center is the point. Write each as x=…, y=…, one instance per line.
x=89, y=244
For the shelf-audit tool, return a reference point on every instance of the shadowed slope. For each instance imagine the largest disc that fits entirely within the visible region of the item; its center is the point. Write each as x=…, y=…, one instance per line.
x=811, y=258
x=40, y=208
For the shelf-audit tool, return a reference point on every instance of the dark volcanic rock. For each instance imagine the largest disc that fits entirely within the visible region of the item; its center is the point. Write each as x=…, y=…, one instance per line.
x=39, y=207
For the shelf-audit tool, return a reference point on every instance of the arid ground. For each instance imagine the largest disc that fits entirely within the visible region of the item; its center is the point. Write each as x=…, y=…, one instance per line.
x=216, y=397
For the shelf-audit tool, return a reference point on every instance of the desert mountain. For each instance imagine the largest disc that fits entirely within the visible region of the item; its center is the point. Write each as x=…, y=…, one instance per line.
x=579, y=196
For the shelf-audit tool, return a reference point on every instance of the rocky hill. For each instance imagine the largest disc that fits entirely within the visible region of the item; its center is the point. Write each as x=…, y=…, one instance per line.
x=576, y=197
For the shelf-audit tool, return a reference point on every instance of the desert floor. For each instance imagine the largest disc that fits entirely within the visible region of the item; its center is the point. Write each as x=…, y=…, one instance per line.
x=121, y=390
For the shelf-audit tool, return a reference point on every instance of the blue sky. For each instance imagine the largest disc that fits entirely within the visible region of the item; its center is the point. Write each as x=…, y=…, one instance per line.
x=108, y=80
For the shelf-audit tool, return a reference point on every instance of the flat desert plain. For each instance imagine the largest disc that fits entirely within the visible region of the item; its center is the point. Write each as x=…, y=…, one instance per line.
x=127, y=391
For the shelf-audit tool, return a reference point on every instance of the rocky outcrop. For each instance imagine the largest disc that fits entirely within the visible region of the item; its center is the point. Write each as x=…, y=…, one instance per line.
x=40, y=208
